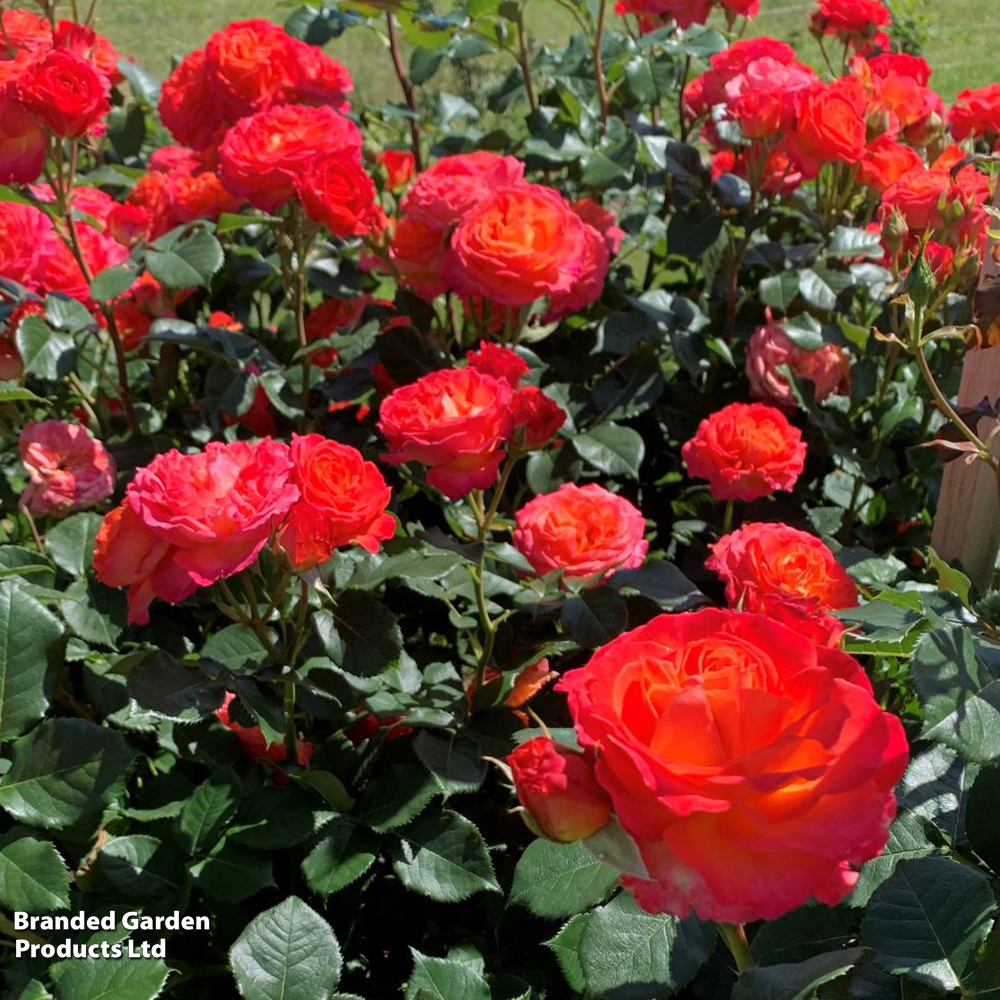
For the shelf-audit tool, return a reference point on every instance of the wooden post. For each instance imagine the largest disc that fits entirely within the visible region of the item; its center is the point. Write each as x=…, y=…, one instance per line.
x=967, y=522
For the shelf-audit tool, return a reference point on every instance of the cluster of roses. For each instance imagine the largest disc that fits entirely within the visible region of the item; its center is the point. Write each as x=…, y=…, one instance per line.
x=741, y=751
x=653, y=14
x=471, y=224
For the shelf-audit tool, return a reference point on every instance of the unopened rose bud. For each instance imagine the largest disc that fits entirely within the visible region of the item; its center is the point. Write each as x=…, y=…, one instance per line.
x=558, y=789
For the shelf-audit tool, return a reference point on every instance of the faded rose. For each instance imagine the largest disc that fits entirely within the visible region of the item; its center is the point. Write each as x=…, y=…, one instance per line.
x=68, y=469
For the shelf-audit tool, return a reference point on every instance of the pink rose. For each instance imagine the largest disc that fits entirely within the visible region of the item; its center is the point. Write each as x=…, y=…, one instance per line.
x=68, y=469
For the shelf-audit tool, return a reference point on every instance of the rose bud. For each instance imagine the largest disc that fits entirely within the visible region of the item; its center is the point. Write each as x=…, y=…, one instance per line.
x=558, y=789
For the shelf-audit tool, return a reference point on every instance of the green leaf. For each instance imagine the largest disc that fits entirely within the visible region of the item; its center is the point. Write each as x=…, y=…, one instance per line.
x=624, y=946
x=111, y=979
x=850, y=242
x=211, y=804
x=797, y=981
x=232, y=873
x=112, y=282
x=949, y=578
x=639, y=76
x=27, y=630
x=172, y=690
x=443, y=856
x=11, y=392
x=33, y=877
x=958, y=682
x=67, y=314
x=235, y=647
x=71, y=542
x=396, y=796
x=455, y=761
x=560, y=880
x=142, y=868
x=600, y=171
x=612, y=449
x=595, y=617
x=272, y=818
x=286, y=953
x=45, y=352
x=566, y=948
x=62, y=769
x=344, y=853
x=660, y=581
x=367, y=638
x=928, y=919
x=189, y=263
x=445, y=979
x=327, y=785
x=779, y=291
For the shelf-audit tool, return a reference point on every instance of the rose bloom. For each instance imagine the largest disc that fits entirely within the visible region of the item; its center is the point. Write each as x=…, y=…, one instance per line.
x=25, y=32
x=399, y=166
x=762, y=560
x=262, y=155
x=65, y=92
x=829, y=127
x=771, y=349
x=519, y=245
x=190, y=105
x=500, y=362
x=190, y=520
x=199, y=196
x=536, y=418
x=68, y=469
x=454, y=185
x=849, y=19
x=25, y=233
x=920, y=196
x=940, y=259
x=732, y=62
x=976, y=112
x=255, y=744
x=23, y=143
x=603, y=220
x=802, y=615
x=168, y=159
x=585, y=531
x=746, y=451
x=753, y=769
x=61, y=272
x=418, y=253
x=557, y=789
x=86, y=43
x=885, y=161
x=456, y=421
x=590, y=287
x=338, y=193
x=342, y=501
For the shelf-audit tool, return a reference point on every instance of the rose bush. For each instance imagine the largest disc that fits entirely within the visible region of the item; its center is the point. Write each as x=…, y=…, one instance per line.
x=479, y=547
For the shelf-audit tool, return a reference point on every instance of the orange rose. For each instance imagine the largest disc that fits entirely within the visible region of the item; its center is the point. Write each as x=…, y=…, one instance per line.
x=759, y=560
x=752, y=768
x=557, y=789
x=255, y=744
x=399, y=166
x=418, y=251
x=519, y=245
x=746, y=452
x=585, y=531
x=338, y=193
x=885, y=161
x=830, y=127
x=456, y=421
x=190, y=105
x=342, y=501
x=199, y=196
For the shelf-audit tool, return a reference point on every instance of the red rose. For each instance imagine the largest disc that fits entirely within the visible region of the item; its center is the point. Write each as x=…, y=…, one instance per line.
x=536, y=418
x=338, y=193
x=885, y=161
x=829, y=127
x=399, y=166
x=444, y=192
x=255, y=744
x=746, y=452
x=456, y=421
x=976, y=112
x=199, y=196
x=342, y=501
x=518, y=245
x=328, y=318
x=68, y=469
x=190, y=520
x=586, y=531
x=752, y=768
x=24, y=32
x=262, y=155
x=500, y=362
x=23, y=143
x=920, y=196
x=557, y=789
x=850, y=20
x=652, y=14
x=171, y=159
x=65, y=92
x=25, y=235
x=762, y=560
x=418, y=252
x=190, y=105
x=87, y=44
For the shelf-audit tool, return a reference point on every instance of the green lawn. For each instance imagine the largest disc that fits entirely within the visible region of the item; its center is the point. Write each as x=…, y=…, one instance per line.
x=959, y=46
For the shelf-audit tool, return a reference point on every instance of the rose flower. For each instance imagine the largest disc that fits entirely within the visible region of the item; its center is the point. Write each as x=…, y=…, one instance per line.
x=67, y=468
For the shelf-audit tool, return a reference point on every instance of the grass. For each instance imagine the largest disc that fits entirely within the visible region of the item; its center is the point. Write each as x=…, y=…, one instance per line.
x=959, y=35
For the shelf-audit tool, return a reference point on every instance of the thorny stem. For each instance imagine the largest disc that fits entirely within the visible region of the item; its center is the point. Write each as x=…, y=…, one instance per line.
x=681, y=123
x=299, y=287
x=602, y=91
x=407, y=87
x=63, y=189
x=727, y=517
x=735, y=937
x=34, y=529
x=522, y=61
